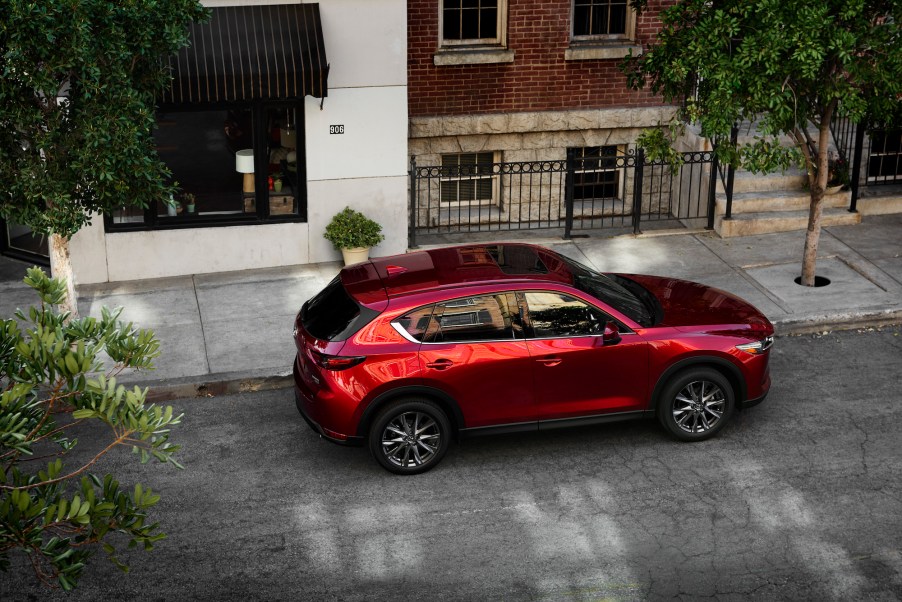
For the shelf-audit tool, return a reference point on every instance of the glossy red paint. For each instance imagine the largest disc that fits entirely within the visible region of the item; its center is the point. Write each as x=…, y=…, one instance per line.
x=515, y=377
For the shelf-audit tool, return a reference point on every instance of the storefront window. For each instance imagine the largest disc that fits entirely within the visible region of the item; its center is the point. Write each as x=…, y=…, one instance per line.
x=200, y=147
x=231, y=165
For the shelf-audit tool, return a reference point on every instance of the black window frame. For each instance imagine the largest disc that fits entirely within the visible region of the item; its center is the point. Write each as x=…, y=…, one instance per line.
x=153, y=221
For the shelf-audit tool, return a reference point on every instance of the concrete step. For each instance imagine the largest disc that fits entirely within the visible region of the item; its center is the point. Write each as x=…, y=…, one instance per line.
x=746, y=181
x=783, y=200
x=748, y=224
x=880, y=205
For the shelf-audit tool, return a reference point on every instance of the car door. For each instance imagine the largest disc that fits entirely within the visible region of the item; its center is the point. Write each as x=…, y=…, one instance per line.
x=578, y=373
x=475, y=350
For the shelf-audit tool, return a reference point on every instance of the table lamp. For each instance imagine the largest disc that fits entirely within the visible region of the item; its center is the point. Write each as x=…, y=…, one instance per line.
x=244, y=163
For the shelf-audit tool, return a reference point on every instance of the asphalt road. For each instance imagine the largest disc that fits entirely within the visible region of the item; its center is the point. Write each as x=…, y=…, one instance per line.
x=799, y=498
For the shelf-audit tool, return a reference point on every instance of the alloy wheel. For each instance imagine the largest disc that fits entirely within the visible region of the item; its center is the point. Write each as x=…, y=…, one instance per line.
x=699, y=406
x=411, y=439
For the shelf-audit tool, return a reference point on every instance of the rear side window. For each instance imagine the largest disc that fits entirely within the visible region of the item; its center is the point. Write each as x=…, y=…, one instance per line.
x=419, y=323
x=332, y=315
x=482, y=318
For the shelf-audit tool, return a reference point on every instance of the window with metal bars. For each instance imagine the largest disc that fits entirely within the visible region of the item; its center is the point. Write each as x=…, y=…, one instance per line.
x=596, y=175
x=469, y=178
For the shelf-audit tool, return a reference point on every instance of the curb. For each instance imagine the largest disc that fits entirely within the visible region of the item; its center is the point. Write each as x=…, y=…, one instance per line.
x=214, y=386
x=845, y=321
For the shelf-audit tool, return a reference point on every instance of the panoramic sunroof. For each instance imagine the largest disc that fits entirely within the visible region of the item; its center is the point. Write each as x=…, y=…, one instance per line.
x=517, y=260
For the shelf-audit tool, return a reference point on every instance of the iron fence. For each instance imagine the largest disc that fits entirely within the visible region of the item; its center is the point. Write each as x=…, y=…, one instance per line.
x=874, y=155
x=590, y=189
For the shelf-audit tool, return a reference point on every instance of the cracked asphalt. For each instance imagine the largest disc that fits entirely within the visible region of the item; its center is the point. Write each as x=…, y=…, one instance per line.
x=799, y=498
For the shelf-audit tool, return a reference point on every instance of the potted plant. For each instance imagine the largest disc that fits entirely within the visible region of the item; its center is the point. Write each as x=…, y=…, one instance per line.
x=353, y=233
x=277, y=181
x=837, y=174
x=189, y=200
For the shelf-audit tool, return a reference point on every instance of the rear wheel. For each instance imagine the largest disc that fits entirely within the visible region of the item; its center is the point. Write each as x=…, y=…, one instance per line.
x=410, y=436
x=696, y=404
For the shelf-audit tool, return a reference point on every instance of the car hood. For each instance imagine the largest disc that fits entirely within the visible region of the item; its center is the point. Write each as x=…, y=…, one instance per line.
x=690, y=304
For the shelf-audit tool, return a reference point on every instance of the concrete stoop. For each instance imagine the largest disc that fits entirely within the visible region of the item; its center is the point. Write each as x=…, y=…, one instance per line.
x=767, y=222
x=767, y=203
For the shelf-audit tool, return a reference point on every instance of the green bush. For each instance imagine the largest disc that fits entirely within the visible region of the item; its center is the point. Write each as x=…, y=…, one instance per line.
x=350, y=229
x=53, y=385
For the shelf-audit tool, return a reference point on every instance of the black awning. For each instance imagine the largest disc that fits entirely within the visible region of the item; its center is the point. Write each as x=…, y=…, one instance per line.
x=251, y=53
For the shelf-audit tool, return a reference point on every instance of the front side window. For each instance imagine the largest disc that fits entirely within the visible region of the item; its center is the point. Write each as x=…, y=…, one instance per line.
x=602, y=20
x=469, y=178
x=471, y=22
x=596, y=175
x=553, y=314
x=479, y=318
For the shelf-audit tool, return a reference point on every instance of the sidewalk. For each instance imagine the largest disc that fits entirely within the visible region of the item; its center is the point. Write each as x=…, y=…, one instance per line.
x=231, y=332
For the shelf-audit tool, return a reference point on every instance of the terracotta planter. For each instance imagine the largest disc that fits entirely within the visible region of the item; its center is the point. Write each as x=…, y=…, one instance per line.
x=355, y=255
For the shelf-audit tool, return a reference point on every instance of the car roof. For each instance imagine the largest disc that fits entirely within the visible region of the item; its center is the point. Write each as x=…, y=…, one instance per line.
x=374, y=282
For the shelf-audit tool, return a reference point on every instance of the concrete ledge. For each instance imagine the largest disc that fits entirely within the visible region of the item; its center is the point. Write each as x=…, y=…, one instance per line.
x=594, y=52
x=470, y=56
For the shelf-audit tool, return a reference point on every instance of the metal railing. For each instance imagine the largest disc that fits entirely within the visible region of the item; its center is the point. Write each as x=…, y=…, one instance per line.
x=584, y=191
x=727, y=175
x=876, y=161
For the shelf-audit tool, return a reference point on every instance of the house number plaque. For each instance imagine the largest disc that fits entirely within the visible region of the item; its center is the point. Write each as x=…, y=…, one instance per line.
x=337, y=129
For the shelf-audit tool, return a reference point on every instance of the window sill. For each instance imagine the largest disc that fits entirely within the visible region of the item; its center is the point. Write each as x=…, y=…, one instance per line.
x=472, y=56
x=594, y=52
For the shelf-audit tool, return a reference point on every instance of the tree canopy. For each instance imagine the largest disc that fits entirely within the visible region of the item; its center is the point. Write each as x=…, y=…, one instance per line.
x=77, y=92
x=789, y=67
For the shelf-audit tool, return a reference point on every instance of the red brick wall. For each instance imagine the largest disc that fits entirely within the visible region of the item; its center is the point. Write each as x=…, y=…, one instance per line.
x=539, y=79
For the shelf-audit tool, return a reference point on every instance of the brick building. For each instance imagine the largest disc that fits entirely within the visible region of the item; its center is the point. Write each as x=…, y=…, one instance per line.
x=511, y=80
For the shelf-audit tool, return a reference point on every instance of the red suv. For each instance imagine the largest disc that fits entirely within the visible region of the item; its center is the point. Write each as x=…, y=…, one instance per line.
x=407, y=352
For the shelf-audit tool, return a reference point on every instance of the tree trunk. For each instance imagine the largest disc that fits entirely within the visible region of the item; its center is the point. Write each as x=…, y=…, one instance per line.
x=817, y=187
x=61, y=267
x=812, y=237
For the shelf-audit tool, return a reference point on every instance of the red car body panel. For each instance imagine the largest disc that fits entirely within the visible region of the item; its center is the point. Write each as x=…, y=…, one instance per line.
x=580, y=376
x=492, y=382
x=522, y=380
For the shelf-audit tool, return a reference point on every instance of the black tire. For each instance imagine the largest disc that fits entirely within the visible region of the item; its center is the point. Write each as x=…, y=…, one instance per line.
x=395, y=444
x=696, y=404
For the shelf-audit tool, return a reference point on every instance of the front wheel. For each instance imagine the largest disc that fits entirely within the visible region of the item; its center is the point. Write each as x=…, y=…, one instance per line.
x=409, y=436
x=696, y=404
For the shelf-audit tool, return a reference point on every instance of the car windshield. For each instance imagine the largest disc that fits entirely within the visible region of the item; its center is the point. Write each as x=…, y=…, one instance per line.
x=611, y=292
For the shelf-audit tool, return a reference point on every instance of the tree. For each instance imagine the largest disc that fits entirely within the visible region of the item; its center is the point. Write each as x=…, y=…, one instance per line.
x=788, y=66
x=77, y=92
x=52, y=386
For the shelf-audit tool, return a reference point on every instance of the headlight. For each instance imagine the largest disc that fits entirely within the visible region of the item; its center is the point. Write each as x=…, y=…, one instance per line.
x=758, y=347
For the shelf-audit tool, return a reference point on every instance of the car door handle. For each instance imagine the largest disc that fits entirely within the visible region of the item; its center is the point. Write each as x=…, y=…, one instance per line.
x=549, y=361
x=440, y=364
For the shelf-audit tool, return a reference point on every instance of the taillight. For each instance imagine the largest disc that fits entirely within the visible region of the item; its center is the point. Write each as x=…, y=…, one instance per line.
x=336, y=362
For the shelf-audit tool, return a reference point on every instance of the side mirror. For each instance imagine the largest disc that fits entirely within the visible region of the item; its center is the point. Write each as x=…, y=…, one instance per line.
x=611, y=334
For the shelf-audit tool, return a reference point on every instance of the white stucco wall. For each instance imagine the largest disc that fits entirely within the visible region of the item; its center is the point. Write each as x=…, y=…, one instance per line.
x=365, y=168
